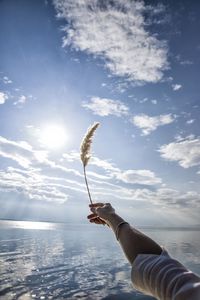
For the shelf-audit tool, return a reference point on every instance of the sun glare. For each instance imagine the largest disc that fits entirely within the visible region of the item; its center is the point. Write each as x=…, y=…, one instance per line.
x=34, y=225
x=53, y=136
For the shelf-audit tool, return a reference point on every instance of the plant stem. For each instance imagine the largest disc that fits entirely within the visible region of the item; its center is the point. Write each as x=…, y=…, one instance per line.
x=86, y=182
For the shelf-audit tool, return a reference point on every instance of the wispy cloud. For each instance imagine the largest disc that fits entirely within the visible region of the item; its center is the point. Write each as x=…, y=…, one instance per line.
x=169, y=197
x=3, y=97
x=21, y=152
x=32, y=185
x=39, y=178
x=104, y=164
x=16, y=151
x=142, y=177
x=27, y=157
x=157, y=198
x=191, y=121
x=105, y=107
x=145, y=177
x=154, y=101
x=116, y=32
x=186, y=62
x=6, y=80
x=36, y=177
x=183, y=61
x=21, y=100
x=176, y=87
x=148, y=124
x=184, y=151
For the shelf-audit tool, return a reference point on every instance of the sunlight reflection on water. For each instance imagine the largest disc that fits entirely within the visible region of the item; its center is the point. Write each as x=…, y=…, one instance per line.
x=28, y=225
x=41, y=260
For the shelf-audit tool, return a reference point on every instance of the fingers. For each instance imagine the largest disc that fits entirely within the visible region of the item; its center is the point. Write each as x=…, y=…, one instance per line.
x=97, y=221
x=100, y=204
x=92, y=216
x=94, y=219
x=95, y=206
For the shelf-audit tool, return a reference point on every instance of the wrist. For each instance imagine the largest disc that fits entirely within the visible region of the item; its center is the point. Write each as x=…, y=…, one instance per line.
x=113, y=220
x=111, y=216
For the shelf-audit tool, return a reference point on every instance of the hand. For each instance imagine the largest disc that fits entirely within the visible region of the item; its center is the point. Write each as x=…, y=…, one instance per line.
x=100, y=213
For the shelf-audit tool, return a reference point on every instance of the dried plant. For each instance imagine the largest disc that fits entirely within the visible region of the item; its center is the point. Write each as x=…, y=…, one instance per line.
x=85, y=152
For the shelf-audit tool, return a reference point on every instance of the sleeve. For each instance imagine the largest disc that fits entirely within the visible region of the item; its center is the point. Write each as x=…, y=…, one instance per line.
x=164, y=278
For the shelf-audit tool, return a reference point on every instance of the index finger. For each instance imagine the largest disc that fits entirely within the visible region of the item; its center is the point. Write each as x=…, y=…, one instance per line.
x=96, y=205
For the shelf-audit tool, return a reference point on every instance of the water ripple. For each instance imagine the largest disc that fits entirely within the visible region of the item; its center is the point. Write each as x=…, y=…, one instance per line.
x=71, y=264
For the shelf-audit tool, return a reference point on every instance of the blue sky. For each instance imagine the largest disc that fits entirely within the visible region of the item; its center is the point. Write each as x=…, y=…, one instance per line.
x=133, y=66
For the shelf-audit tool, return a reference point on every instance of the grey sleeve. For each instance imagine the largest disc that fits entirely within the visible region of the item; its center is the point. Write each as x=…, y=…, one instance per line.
x=164, y=278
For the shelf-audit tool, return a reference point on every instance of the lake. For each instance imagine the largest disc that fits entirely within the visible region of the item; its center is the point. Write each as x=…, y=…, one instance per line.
x=41, y=260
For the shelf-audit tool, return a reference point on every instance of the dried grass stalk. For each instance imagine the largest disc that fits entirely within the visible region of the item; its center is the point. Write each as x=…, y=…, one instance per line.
x=85, y=152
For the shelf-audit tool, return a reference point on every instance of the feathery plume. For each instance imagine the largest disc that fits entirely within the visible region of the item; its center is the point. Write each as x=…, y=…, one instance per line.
x=85, y=152
x=86, y=144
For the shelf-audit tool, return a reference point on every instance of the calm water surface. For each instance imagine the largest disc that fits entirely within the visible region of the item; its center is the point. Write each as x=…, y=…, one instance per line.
x=59, y=261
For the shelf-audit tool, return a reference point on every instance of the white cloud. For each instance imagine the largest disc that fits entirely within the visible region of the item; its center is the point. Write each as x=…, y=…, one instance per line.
x=117, y=33
x=186, y=152
x=3, y=97
x=154, y=101
x=186, y=62
x=104, y=164
x=22, y=99
x=16, y=151
x=34, y=179
x=191, y=121
x=72, y=156
x=167, y=198
x=144, y=100
x=43, y=180
x=6, y=80
x=31, y=184
x=172, y=197
x=176, y=87
x=145, y=177
x=183, y=61
x=105, y=107
x=148, y=124
x=26, y=157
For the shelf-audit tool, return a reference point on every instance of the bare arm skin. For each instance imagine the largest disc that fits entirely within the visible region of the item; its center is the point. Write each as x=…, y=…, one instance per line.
x=157, y=275
x=132, y=241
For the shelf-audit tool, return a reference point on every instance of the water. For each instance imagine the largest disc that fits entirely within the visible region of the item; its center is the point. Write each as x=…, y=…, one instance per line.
x=60, y=261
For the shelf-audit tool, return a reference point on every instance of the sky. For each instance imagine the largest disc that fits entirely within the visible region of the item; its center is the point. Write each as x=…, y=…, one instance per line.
x=133, y=66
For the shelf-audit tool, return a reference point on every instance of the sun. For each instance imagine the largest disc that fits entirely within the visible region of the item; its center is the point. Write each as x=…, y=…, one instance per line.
x=52, y=136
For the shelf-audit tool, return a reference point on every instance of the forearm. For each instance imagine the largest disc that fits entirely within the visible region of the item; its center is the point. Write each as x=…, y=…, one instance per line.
x=132, y=241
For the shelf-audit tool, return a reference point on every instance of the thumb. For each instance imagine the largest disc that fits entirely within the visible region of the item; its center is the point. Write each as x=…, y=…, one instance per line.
x=93, y=209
